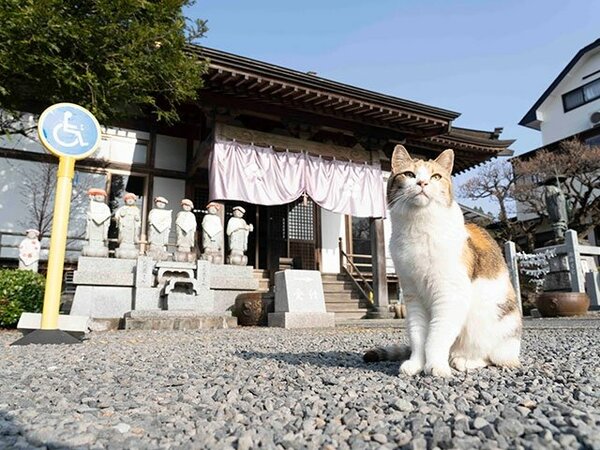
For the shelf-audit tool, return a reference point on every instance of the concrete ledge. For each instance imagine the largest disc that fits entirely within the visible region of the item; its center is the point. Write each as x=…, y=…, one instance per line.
x=74, y=325
x=302, y=320
x=177, y=320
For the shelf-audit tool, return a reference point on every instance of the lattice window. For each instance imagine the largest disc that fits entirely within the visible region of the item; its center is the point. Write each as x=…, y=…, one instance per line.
x=301, y=221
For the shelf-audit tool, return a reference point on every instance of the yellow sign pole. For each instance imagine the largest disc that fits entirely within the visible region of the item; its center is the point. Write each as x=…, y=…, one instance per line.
x=70, y=132
x=58, y=242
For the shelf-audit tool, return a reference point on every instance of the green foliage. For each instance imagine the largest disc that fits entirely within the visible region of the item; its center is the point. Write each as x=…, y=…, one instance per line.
x=118, y=58
x=20, y=291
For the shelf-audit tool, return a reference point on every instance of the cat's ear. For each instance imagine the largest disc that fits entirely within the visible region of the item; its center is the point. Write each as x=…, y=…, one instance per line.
x=400, y=158
x=446, y=160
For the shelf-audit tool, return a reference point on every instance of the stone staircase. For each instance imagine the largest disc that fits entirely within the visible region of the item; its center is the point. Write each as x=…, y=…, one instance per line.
x=341, y=297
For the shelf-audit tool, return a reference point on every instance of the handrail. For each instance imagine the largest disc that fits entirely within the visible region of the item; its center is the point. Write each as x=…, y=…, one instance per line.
x=366, y=295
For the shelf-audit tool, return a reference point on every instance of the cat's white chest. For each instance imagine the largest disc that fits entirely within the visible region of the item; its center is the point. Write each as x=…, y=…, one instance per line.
x=428, y=251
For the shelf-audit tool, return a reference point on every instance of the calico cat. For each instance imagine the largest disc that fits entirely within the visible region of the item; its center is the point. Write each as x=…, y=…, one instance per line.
x=464, y=313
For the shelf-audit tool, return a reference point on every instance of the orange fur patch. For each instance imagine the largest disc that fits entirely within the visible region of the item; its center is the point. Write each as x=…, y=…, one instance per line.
x=481, y=255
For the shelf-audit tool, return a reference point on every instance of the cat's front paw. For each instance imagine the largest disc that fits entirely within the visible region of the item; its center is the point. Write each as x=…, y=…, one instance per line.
x=439, y=370
x=411, y=367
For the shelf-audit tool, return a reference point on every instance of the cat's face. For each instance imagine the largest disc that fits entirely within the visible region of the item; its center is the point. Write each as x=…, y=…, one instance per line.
x=414, y=183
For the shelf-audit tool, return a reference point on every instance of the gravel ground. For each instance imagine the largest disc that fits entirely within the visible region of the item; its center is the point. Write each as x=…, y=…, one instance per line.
x=274, y=388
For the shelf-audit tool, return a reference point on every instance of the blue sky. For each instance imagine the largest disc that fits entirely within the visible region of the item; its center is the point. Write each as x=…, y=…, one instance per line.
x=488, y=60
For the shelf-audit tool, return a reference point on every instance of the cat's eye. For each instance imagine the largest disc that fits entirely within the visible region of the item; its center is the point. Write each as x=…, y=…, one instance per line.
x=408, y=174
x=436, y=176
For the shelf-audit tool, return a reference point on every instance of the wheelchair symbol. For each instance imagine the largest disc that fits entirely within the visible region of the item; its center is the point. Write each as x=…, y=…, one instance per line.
x=71, y=132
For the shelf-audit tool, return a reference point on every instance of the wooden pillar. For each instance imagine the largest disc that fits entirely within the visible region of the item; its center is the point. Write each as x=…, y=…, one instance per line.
x=380, y=309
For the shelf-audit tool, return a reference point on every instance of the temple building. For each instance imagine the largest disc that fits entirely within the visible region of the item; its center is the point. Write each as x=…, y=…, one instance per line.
x=306, y=157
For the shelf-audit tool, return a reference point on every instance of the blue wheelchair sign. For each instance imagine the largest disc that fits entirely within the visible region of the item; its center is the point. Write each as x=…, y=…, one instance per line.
x=66, y=129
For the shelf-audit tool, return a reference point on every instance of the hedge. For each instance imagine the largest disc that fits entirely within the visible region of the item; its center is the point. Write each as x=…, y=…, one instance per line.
x=20, y=291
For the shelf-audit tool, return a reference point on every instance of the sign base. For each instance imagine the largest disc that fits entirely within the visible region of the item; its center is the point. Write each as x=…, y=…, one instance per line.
x=52, y=337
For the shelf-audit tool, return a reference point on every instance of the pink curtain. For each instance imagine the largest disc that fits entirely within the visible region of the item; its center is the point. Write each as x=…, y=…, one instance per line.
x=265, y=177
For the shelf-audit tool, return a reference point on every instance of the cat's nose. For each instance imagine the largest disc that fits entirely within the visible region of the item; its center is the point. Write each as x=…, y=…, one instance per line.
x=422, y=183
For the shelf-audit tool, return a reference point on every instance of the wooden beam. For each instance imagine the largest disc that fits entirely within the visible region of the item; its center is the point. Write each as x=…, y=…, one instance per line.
x=302, y=113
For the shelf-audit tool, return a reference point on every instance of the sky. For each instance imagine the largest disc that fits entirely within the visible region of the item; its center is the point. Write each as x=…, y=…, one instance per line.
x=488, y=60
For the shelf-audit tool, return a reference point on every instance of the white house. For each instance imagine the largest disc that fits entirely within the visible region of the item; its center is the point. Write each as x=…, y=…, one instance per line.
x=570, y=106
x=569, y=109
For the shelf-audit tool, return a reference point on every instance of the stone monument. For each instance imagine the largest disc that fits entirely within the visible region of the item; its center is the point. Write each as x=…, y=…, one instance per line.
x=212, y=235
x=29, y=251
x=128, y=220
x=299, y=301
x=159, y=227
x=186, y=232
x=98, y=221
x=556, y=205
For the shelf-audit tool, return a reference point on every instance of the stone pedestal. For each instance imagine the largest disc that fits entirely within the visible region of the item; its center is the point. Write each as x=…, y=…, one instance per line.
x=109, y=288
x=104, y=287
x=299, y=301
x=102, y=302
x=559, y=277
x=228, y=282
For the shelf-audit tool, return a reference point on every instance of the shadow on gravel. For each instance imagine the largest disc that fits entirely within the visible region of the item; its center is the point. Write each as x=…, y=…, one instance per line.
x=12, y=435
x=325, y=359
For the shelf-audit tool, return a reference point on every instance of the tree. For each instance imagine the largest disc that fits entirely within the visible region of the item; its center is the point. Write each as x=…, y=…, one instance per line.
x=578, y=165
x=520, y=180
x=120, y=59
x=498, y=181
x=37, y=187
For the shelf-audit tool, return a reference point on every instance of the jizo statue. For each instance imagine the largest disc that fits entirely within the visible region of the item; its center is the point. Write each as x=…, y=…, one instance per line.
x=186, y=232
x=29, y=251
x=159, y=227
x=212, y=235
x=238, y=231
x=98, y=220
x=128, y=220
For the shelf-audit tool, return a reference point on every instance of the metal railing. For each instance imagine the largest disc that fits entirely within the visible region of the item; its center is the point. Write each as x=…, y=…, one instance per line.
x=359, y=280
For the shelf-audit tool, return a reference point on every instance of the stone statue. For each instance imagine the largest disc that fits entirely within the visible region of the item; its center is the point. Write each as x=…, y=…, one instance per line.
x=186, y=232
x=159, y=227
x=98, y=221
x=128, y=220
x=238, y=231
x=212, y=235
x=29, y=251
x=556, y=205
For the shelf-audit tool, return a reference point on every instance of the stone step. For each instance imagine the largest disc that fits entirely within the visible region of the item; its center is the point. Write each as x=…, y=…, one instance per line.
x=344, y=306
x=336, y=285
x=350, y=315
x=346, y=296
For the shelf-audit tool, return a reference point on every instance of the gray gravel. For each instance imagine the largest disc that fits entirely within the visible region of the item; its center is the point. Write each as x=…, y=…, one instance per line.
x=273, y=388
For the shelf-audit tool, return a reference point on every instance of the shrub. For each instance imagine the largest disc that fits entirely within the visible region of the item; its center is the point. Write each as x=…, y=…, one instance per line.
x=20, y=291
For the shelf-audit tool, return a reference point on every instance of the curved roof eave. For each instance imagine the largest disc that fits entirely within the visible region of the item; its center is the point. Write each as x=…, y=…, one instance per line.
x=217, y=57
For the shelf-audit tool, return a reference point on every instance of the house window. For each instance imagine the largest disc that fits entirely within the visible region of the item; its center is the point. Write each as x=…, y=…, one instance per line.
x=594, y=140
x=582, y=95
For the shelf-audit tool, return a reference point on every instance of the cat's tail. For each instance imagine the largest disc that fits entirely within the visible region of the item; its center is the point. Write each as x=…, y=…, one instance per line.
x=391, y=353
